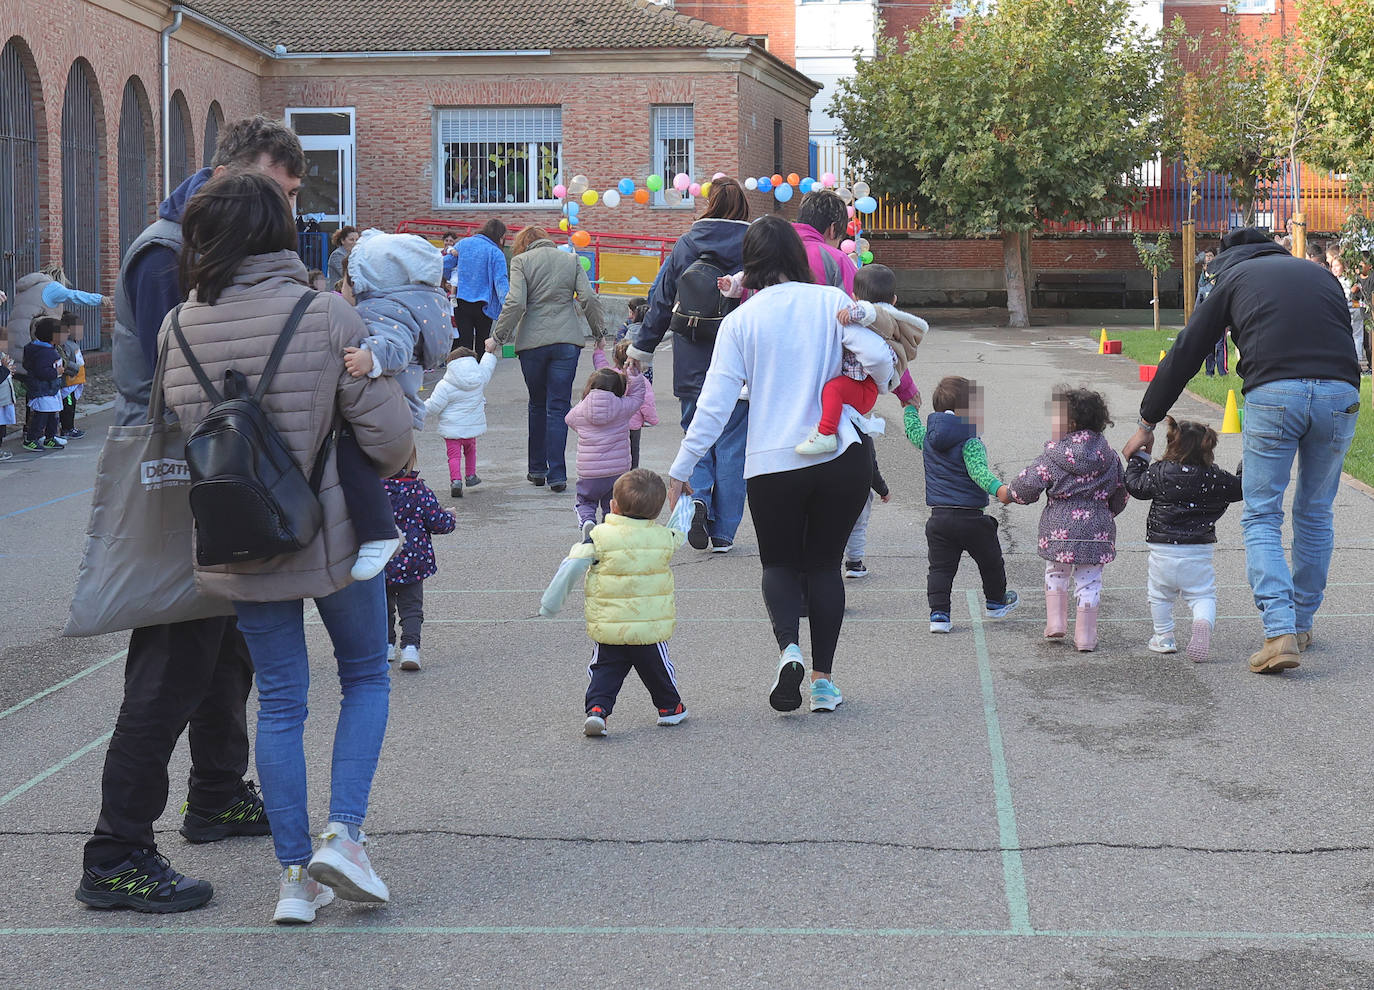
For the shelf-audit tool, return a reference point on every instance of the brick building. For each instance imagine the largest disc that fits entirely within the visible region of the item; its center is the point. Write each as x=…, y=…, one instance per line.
x=403, y=113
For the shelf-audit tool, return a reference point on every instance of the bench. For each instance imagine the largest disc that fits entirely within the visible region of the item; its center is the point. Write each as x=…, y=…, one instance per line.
x=1064, y=283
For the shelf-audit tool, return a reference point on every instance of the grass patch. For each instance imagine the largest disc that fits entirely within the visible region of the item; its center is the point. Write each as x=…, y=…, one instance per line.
x=1143, y=347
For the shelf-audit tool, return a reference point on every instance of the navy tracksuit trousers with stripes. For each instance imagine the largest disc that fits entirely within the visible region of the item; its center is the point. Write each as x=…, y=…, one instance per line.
x=611, y=664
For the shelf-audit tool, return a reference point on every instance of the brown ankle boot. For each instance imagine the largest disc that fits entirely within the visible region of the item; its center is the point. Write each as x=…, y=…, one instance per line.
x=1056, y=614
x=1085, y=629
x=1278, y=653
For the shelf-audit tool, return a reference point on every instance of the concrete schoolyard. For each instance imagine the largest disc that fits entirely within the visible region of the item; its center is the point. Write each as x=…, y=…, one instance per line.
x=987, y=809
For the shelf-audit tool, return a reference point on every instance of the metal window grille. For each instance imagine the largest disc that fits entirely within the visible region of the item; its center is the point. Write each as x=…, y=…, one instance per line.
x=18, y=175
x=179, y=138
x=674, y=139
x=498, y=156
x=81, y=192
x=212, y=121
x=1252, y=6
x=135, y=203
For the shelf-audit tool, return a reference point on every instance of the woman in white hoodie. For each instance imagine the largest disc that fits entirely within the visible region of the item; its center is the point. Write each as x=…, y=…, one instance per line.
x=785, y=343
x=461, y=404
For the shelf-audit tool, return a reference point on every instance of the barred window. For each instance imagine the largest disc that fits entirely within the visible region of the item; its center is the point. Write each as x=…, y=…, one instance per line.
x=1253, y=6
x=498, y=156
x=673, y=129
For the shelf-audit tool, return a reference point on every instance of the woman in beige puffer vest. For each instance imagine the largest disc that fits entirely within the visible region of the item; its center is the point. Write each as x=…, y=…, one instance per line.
x=245, y=278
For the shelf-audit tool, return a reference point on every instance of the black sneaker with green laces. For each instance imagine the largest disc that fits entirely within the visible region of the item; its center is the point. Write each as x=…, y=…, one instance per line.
x=245, y=815
x=144, y=882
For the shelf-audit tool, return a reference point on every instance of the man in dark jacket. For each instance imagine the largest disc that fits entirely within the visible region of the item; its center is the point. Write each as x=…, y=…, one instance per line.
x=1290, y=321
x=195, y=674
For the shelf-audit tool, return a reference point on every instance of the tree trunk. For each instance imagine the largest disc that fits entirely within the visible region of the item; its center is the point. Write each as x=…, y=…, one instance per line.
x=1027, y=271
x=1156, y=301
x=1018, y=308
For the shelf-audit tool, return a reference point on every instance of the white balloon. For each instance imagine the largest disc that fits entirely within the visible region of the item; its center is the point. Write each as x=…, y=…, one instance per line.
x=842, y=192
x=611, y=198
x=751, y=183
x=861, y=190
x=578, y=185
x=863, y=245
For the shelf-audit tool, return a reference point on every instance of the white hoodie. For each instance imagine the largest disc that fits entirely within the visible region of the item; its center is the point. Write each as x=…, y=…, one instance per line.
x=458, y=398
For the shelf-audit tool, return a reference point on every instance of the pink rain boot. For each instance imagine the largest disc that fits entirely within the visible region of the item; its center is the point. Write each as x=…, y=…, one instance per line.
x=1056, y=614
x=1085, y=629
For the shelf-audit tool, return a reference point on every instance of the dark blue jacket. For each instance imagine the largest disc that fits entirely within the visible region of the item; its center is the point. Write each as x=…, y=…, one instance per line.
x=418, y=515
x=42, y=369
x=725, y=240
x=947, y=478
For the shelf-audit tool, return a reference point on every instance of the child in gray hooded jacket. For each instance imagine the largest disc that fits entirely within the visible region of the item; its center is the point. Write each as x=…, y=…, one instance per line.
x=395, y=281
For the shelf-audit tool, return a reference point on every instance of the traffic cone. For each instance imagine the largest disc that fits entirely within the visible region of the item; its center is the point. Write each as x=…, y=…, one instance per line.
x=1230, y=420
x=1102, y=342
x=1161, y=354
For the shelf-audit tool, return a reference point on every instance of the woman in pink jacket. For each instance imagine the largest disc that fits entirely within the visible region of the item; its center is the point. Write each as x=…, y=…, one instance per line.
x=602, y=421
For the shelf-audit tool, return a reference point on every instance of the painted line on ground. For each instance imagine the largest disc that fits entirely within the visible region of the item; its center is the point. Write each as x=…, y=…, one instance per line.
x=61, y=684
x=51, y=501
x=869, y=588
x=690, y=931
x=66, y=761
x=917, y=620
x=1013, y=871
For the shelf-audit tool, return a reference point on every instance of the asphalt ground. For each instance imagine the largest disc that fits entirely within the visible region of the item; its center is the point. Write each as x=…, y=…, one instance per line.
x=987, y=809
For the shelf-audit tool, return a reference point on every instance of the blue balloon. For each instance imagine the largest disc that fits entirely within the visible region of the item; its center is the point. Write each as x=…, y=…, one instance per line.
x=782, y=193
x=865, y=204
x=765, y=183
x=806, y=184
x=574, y=209
x=626, y=187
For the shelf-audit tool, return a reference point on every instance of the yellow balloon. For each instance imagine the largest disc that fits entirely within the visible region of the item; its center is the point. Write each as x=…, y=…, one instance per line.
x=590, y=197
x=563, y=224
x=706, y=188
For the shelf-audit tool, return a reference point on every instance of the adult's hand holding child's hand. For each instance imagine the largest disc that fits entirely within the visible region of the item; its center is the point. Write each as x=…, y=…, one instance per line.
x=491, y=345
x=1004, y=495
x=358, y=361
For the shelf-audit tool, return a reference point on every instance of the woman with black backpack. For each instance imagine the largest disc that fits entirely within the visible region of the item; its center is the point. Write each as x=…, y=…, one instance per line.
x=248, y=286
x=685, y=300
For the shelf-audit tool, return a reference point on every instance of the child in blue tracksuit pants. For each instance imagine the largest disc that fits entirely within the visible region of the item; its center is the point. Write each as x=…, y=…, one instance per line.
x=43, y=382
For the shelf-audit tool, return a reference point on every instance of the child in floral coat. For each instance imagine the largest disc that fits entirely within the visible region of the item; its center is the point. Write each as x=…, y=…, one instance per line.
x=418, y=516
x=1085, y=489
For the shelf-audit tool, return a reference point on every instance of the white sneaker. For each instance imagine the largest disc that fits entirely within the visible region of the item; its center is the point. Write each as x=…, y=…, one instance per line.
x=818, y=443
x=342, y=863
x=587, y=528
x=299, y=897
x=1162, y=644
x=410, y=658
x=372, y=558
x=786, y=693
x=825, y=695
x=392, y=653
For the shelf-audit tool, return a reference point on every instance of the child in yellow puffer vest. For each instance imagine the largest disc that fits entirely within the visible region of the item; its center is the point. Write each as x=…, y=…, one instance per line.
x=629, y=597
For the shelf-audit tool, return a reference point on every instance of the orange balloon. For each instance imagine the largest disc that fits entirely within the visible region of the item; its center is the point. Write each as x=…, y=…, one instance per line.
x=641, y=196
x=776, y=180
x=793, y=179
x=581, y=238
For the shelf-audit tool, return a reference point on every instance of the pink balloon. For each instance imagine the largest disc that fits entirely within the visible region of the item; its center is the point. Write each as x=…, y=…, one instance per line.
x=694, y=189
x=681, y=181
x=847, y=246
x=828, y=179
x=851, y=212
x=559, y=191
x=718, y=175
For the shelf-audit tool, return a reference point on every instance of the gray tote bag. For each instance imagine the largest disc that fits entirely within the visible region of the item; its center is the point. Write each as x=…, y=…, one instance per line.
x=138, y=566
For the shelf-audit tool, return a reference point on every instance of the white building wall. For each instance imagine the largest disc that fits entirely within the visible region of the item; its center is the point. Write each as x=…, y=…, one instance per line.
x=829, y=32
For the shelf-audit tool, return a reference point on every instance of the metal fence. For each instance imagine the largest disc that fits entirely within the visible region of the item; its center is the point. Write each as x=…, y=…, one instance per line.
x=81, y=188
x=18, y=175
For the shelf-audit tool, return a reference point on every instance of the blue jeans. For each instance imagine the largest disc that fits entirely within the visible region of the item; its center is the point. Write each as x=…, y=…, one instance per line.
x=355, y=619
x=549, y=372
x=718, y=479
x=1313, y=421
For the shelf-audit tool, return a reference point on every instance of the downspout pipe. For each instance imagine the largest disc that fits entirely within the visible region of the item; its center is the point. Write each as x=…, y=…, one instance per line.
x=165, y=66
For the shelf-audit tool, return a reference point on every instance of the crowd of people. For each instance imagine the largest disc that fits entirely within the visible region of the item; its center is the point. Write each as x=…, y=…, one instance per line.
x=781, y=347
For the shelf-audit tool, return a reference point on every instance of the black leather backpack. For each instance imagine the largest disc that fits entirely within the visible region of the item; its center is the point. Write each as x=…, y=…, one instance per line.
x=700, y=308
x=249, y=498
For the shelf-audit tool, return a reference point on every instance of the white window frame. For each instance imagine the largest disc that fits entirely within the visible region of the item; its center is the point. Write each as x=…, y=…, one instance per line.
x=347, y=147
x=668, y=117
x=444, y=116
x=1252, y=6
x=967, y=8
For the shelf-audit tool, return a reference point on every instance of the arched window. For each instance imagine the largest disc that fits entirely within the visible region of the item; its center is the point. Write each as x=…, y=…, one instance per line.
x=213, y=120
x=135, y=191
x=82, y=190
x=19, y=167
x=179, y=139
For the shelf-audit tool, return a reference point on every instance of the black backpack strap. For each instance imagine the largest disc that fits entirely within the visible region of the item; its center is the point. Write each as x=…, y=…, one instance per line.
x=210, y=391
x=321, y=456
x=283, y=341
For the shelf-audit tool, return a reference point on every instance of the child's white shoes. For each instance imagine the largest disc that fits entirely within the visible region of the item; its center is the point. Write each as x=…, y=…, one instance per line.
x=818, y=443
x=372, y=558
x=1162, y=644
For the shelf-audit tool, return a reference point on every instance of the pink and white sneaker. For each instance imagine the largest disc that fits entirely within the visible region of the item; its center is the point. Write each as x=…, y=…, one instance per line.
x=299, y=897
x=1200, y=645
x=342, y=864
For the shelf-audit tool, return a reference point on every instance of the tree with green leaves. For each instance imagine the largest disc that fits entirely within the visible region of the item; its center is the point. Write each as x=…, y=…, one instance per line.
x=1004, y=120
x=1337, y=35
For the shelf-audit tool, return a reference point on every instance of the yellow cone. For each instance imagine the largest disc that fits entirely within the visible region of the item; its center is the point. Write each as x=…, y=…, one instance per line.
x=1161, y=354
x=1102, y=342
x=1230, y=421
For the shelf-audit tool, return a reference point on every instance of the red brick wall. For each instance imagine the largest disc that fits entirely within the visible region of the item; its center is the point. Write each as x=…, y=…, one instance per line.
x=1106, y=252
x=1205, y=19
x=900, y=17
x=759, y=106
x=606, y=135
x=775, y=18
x=57, y=32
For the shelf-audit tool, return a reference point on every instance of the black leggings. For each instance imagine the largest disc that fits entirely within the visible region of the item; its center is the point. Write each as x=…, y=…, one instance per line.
x=802, y=519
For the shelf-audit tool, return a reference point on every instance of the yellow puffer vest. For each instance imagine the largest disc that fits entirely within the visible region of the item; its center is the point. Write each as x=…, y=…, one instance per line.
x=630, y=588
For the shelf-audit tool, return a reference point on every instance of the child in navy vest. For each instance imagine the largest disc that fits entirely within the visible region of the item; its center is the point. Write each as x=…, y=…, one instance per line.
x=958, y=483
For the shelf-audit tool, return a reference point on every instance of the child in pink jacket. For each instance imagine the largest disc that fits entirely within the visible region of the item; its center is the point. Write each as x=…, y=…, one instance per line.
x=648, y=413
x=602, y=419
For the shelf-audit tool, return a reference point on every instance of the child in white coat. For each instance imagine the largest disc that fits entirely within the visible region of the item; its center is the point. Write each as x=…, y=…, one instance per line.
x=460, y=401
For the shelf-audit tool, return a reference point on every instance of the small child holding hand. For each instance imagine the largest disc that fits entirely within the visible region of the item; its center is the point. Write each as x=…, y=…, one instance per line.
x=648, y=412
x=602, y=419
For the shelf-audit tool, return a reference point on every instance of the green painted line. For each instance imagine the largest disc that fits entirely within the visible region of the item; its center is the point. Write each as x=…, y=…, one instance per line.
x=576, y=619
x=66, y=761
x=61, y=684
x=688, y=931
x=1013, y=872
